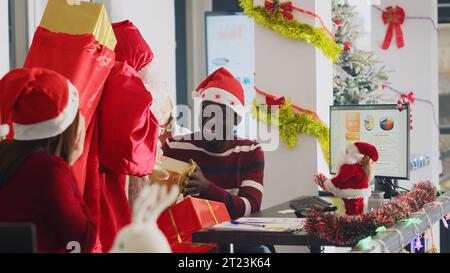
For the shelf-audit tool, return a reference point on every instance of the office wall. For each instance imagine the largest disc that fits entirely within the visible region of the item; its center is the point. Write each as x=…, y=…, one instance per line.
x=35, y=11
x=4, y=38
x=415, y=68
x=156, y=21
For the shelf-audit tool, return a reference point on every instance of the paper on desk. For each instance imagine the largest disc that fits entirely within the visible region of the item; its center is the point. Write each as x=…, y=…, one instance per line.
x=270, y=225
x=287, y=211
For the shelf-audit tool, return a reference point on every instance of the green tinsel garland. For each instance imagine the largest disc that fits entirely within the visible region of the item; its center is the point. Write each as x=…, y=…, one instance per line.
x=293, y=123
x=293, y=29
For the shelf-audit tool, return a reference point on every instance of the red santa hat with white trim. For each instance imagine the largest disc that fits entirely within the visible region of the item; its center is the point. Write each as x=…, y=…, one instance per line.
x=223, y=88
x=38, y=104
x=366, y=149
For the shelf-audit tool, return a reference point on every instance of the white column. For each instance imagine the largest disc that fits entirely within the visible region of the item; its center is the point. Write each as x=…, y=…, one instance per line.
x=4, y=38
x=35, y=11
x=196, y=43
x=156, y=21
x=415, y=68
x=300, y=72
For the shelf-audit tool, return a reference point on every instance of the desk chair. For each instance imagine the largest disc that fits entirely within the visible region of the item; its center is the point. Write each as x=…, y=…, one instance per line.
x=18, y=238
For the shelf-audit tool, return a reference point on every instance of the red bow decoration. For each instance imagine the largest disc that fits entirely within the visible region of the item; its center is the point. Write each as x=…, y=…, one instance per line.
x=409, y=97
x=286, y=9
x=281, y=101
x=394, y=17
x=274, y=101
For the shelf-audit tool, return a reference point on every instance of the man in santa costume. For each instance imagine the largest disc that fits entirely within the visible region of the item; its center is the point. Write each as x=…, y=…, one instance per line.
x=128, y=132
x=352, y=181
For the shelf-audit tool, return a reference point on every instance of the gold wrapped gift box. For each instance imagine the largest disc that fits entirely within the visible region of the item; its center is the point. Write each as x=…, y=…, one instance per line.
x=86, y=18
x=172, y=172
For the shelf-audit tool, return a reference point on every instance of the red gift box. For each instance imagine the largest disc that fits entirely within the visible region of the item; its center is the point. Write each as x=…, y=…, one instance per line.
x=192, y=214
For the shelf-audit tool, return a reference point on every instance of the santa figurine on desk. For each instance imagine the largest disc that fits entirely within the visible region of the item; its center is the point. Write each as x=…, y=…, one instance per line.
x=352, y=181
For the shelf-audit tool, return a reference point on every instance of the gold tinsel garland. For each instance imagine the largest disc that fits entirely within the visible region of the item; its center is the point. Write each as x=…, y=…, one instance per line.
x=293, y=29
x=293, y=123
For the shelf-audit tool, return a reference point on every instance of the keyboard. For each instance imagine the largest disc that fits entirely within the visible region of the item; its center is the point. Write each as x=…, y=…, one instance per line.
x=306, y=203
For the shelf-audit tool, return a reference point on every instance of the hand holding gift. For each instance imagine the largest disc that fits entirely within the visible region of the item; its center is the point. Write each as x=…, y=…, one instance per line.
x=196, y=182
x=172, y=172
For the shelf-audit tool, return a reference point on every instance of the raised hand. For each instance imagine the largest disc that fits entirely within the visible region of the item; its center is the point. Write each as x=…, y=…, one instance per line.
x=196, y=183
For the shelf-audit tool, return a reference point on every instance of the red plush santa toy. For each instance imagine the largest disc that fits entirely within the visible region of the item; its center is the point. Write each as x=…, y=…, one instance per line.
x=352, y=181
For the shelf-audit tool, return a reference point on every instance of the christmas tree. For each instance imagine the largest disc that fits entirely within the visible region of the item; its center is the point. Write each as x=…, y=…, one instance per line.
x=358, y=74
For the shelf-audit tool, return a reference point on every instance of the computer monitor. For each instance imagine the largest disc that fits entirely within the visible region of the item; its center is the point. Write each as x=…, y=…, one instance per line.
x=383, y=126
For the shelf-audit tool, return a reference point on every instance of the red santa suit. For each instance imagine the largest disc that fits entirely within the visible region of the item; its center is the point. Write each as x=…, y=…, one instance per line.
x=352, y=183
x=128, y=130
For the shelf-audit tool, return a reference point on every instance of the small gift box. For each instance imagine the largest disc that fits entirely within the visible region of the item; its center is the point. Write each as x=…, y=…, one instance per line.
x=192, y=214
x=176, y=172
x=86, y=18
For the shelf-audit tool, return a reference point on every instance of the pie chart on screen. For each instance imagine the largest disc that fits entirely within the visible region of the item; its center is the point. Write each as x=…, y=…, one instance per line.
x=369, y=122
x=387, y=123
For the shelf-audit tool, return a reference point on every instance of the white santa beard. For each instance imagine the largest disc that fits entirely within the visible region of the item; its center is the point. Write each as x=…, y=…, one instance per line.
x=151, y=72
x=162, y=104
x=349, y=159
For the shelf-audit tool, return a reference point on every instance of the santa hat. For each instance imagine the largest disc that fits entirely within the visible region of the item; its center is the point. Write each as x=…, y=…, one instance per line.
x=222, y=87
x=38, y=103
x=131, y=47
x=366, y=149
